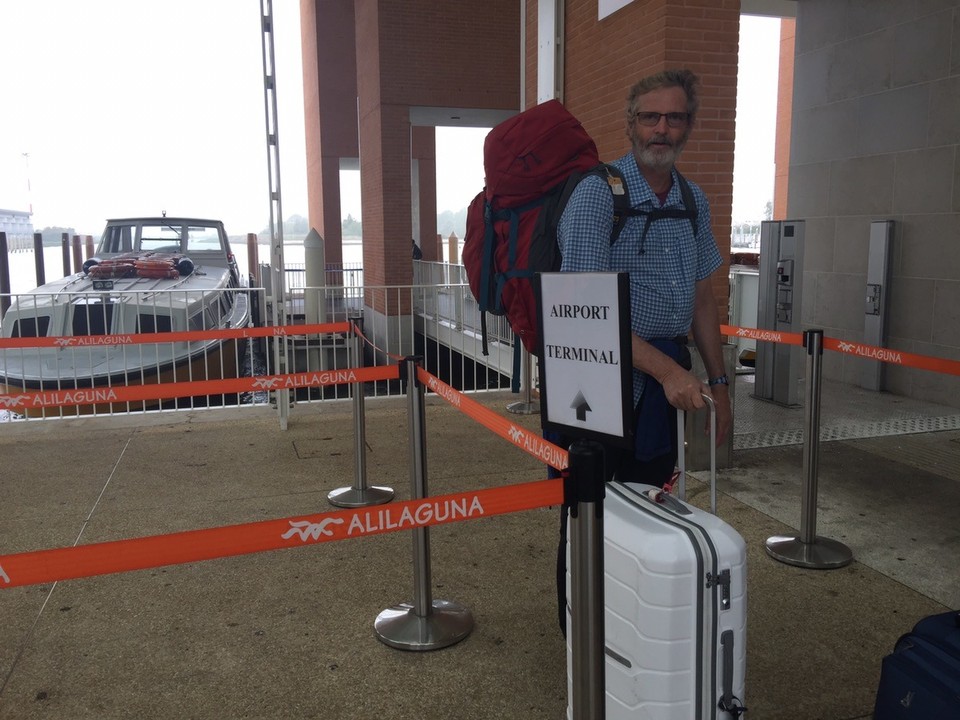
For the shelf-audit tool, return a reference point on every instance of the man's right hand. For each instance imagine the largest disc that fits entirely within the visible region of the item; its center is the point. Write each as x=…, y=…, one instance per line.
x=684, y=390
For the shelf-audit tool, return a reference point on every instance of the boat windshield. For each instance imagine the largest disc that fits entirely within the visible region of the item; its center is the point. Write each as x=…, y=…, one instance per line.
x=160, y=238
x=163, y=236
x=202, y=238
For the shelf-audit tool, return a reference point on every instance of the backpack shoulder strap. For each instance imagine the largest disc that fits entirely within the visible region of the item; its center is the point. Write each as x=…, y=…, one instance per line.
x=621, y=198
x=689, y=201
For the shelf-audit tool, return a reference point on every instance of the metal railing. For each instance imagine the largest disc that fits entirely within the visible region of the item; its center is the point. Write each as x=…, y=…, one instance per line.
x=437, y=320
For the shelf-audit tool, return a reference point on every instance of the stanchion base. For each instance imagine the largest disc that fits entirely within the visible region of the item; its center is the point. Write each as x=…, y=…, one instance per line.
x=821, y=554
x=524, y=408
x=400, y=627
x=351, y=497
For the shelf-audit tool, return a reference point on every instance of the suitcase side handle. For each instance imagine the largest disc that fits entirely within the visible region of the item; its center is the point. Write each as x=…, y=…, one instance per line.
x=681, y=453
x=729, y=702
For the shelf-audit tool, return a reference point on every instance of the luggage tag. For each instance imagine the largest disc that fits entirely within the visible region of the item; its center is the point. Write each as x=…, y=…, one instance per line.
x=616, y=184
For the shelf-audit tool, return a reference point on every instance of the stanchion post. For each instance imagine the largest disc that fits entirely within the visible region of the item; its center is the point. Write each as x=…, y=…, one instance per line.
x=527, y=406
x=588, y=690
x=808, y=550
x=425, y=624
x=360, y=494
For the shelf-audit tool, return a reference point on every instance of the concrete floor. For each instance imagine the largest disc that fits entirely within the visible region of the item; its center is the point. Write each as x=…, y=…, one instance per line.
x=290, y=633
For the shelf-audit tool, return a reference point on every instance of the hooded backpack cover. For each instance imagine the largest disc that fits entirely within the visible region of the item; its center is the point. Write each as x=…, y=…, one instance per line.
x=512, y=224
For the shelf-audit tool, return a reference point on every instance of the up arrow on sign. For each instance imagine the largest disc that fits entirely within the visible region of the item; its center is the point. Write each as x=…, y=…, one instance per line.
x=581, y=405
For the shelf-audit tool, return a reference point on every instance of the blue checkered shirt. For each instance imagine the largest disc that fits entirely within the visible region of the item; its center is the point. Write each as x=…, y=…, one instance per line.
x=663, y=279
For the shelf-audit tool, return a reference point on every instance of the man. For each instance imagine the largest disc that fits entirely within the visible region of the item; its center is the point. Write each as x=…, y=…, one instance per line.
x=669, y=267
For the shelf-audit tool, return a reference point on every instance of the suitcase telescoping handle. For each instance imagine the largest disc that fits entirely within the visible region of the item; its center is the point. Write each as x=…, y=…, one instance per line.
x=681, y=453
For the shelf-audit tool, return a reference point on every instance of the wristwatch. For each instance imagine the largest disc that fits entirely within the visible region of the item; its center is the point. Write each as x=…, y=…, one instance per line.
x=722, y=380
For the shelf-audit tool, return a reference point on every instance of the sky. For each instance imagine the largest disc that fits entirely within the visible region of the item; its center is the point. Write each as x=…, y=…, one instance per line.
x=116, y=108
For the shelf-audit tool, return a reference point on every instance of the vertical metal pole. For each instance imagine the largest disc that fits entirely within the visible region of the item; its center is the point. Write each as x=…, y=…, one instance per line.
x=280, y=345
x=426, y=624
x=359, y=495
x=808, y=550
x=527, y=406
x=416, y=409
x=813, y=342
x=588, y=690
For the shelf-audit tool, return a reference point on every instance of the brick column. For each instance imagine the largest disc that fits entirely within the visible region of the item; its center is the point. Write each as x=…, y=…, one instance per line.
x=385, y=188
x=604, y=58
x=330, y=111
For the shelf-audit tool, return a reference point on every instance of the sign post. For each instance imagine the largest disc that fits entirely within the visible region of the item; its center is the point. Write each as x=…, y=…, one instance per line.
x=586, y=393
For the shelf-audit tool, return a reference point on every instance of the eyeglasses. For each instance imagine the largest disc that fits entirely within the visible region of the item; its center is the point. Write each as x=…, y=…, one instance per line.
x=650, y=119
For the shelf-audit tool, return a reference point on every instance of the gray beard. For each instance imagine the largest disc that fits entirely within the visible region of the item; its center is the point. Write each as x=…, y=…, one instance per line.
x=658, y=160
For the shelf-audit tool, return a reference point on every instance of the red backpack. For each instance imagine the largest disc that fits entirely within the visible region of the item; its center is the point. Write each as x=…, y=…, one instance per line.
x=533, y=161
x=511, y=225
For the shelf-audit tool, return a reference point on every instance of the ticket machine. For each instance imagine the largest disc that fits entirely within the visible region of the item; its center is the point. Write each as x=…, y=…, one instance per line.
x=780, y=367
x=878, y=283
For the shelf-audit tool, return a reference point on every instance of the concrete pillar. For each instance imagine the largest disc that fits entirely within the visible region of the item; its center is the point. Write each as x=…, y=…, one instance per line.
x=425, y=156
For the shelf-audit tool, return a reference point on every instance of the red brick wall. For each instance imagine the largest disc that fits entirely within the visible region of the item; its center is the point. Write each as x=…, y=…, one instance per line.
x=421, y=53
x=530, y=61
x=604, y=58
x=330, y=113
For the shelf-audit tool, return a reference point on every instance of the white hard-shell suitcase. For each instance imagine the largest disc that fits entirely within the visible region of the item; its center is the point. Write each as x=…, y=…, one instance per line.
x=675, y=609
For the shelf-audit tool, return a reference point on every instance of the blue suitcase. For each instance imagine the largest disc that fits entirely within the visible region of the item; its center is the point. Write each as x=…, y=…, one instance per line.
x=920, y=679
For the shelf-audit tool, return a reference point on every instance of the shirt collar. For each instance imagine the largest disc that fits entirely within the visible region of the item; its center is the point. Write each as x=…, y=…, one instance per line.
x=639, y=189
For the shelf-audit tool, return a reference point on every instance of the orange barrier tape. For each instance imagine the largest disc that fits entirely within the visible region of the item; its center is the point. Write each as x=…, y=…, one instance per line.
x=44, y=566
x=763, y=335
x=531, y=443
x=871, y=352
x=894, y=357
x=364, y=338
x=166, y=391
x=186, y=336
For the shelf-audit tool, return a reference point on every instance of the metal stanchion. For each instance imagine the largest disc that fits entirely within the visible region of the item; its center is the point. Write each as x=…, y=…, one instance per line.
x=527, y=406
x=425, y=624
x=808, y=550
x=359, y=495
x=588, y=690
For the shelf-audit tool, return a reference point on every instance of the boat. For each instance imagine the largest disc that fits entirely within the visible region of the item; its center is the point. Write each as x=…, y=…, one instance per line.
x=147, y=275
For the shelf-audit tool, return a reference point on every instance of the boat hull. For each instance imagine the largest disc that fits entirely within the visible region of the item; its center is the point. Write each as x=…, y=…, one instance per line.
x=216, y=362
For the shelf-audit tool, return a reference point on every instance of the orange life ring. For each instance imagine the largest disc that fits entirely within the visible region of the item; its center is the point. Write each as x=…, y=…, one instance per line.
x=166, y=272
x=112, y=269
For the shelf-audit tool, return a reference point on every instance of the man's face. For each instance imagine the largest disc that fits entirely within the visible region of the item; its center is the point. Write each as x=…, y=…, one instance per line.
x=658, y=146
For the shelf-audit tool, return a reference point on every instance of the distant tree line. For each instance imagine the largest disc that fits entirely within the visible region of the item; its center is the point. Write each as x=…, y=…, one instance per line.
x=54, y=235
x=447, y=222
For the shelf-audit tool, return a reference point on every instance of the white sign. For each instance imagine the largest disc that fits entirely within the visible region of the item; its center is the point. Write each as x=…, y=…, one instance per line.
x=585, y=365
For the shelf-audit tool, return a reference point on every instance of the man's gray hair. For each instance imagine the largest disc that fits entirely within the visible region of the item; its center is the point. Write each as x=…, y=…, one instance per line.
x=683, y=78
